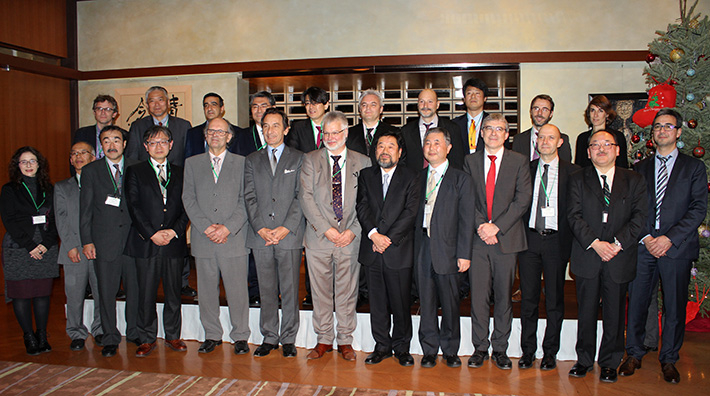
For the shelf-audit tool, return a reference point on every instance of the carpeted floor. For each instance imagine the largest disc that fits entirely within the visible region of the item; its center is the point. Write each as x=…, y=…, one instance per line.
x=46, y=379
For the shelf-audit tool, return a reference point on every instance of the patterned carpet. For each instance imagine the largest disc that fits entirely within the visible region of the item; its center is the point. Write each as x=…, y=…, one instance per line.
x=44, y=379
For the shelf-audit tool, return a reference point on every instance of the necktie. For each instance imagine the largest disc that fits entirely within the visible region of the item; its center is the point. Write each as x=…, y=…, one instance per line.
x=661, y=185
x=337, y=189
x=491, y=186
x=427, y=126
x=274, y=161
x=318, y=139
x=385, y=185
x=541, y=201
x=163, y=181
x=117, y=177
x=535, y=154
x=216, y=167
x=607, y=193
x=430, y=200
x=472, y=137
x=160, y=123
x=368, y=138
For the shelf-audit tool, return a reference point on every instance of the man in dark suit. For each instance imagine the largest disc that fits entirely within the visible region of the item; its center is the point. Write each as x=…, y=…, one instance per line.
x=306, y=135
x=502, y=194
x=157, y=239
x=276, y=228
x=105, y=112
x=442, y=240
x=542, y=108
x=549, y=244
x=158, y=104
x=252, y=139
x=677, y=203
x=78, y=270
x=387, y=204
x=607, y=211
x=104, y=225
x=475, y=94
x=362, y=137
x=413, y=133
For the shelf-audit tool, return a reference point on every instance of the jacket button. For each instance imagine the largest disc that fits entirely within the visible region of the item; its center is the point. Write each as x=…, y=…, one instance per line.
x=215, y=209
x=273, y=199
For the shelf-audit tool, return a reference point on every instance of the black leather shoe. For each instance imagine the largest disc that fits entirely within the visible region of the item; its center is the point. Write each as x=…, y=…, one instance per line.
x=187, y=291
x=264, y=349
x=650, y=348
x=452, y=361
x=76, y=345
x=42, y=341
x=607, y=375
x=135, y=341
x=377, y=356
x=670, y=374
x=109, y=350
x=428, y=361
x=629, y=366
x=476, y=360
x=289, y=350
x=405, y=359
x=208, y=346
x=308, y=301
x=501, y=360
x=526, y=361
x=31, y=344
x=254, y=302
x=548, y=362
x=241, y=347
x=579, y=370
x=98, y=340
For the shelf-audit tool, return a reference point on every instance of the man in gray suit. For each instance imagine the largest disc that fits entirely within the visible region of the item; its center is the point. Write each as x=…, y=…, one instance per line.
x=327, y=195
x=158, y=104
x=78, y=270
x=271, y=184
x=213, y=195
x=502, y=196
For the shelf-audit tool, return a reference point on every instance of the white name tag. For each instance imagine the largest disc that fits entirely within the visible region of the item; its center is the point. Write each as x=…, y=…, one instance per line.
x=113, y=201
x=39, y=219
x=428, y=209
x=548, y=211
x=605, y=216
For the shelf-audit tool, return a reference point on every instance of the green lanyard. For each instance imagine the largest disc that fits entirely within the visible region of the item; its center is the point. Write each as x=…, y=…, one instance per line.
x=113, y=181
x=169, y=172
x=256, y=131
x=339, y=170
x=426, y=197
x=33, y=198
x=367, y=133
x=544, y=188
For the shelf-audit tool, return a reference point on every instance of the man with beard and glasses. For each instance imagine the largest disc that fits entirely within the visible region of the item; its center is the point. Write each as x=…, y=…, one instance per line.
x=542, y=108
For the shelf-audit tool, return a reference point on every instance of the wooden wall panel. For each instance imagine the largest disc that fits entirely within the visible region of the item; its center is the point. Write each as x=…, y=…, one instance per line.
x=36, y=25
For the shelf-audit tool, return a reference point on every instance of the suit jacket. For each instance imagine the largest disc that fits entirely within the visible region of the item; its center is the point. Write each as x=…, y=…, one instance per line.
x=207, y=203
x=356, y=140
x=150, y=215
x=316, y=197
x=562, y=184
x=66, y=209
x=301, y=136
x=178, y=127
x=451, y=226
x=512, y=198
x=521, y=144
x=86, y=134
x=272, y=199
x=627, y=215
x=413, y=144
x=17, y=209
x=103, y=225
x=684, y=205
x=246, y=141
x=582, y=159
x=393, y=217
x=195, y=141
x=462, y=122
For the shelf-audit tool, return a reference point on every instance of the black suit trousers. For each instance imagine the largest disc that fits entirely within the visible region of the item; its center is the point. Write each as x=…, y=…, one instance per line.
x=542, y=258
x=109, y=274
x=390, y=292
x=150, y=271
x=675, y=277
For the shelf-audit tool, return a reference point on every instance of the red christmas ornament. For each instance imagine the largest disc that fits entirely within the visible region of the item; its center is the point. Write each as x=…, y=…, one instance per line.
x=692, y=123
x=708, y=186
x=660, y=96
x=650, y=57
x=635, y=139
x=698, y=151
x=649, y=144
x=639, y=155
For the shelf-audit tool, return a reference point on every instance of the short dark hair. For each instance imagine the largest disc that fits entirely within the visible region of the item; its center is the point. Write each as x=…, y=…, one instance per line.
x=315, y=94
x=105, y=98
x=207, y=95
x=155, y=130
x=613, y=135
x=273, y=110
x=262, y=94
x=543, y=97
x=476, y=83
x=42, y=168
x=395, y=134
x=669, y=112
x=447, y=135
x=124, y=133
x=603, y=103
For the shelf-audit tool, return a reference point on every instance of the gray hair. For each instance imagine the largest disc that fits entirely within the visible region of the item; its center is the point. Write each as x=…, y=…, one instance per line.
x=156, y=88
x=495, y=117
x=334, y=116
x=371, y=91
x=230, y=128
x=447, y=135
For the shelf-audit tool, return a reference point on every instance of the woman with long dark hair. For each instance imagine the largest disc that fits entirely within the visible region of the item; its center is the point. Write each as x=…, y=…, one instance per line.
x=598, y=115
x=30, y=244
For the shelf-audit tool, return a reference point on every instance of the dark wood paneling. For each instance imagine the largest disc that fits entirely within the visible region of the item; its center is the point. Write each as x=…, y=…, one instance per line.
x=35, y=25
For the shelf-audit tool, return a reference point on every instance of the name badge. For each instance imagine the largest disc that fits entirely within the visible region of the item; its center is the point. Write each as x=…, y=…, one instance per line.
x=113, y=201
x=40, y=219
x=548, y=211
x=605, y=216
x=428, y=209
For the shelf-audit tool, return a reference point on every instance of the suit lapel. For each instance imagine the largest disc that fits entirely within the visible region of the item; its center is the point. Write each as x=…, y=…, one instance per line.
x=591, y=178
x=376, y=185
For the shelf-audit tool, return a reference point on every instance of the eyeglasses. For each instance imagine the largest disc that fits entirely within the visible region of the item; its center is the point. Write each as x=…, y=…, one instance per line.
x=260, y=106
x=491, y=129
x=541, y=109
x=309, y=103
x=665, y=127
x=104, y=109
x=606, y=145
x=163, y=143
x=336, y=133
x=216, y=132
x=28, y=162
x=78, y=153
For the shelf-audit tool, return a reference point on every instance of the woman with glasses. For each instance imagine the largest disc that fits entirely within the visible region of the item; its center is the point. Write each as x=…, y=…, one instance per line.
x=30, y=244
x=598, y=116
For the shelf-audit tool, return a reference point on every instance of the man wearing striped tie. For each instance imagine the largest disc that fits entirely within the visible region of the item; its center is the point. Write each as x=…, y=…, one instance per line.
x=607, y=210
x=677, y=204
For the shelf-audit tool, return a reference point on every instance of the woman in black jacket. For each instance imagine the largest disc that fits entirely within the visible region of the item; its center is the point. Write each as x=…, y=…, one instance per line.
x=598, y=115
x=30, y=244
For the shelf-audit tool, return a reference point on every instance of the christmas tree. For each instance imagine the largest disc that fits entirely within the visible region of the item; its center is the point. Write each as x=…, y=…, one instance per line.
x=679, y=63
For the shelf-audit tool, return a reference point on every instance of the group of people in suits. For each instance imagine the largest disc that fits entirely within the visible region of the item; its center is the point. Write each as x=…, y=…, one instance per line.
x=435, y=208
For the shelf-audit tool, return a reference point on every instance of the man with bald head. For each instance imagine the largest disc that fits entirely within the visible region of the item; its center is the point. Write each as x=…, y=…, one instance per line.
x=414, y=131
x=549, y=245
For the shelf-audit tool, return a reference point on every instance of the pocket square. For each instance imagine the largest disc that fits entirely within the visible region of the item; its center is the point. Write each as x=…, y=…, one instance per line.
x=287, y=171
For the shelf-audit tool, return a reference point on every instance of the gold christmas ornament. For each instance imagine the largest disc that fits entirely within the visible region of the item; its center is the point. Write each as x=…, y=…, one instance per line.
x=676, y=54
x=693, y=24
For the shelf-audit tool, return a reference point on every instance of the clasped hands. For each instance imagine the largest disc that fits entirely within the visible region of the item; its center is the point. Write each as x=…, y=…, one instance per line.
x=657, y=246
x=487, y=232
x=38, y=251
x=163, y=237
x=273, y=237
x=217, y=233
x=340, y=239
x=606, y=250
